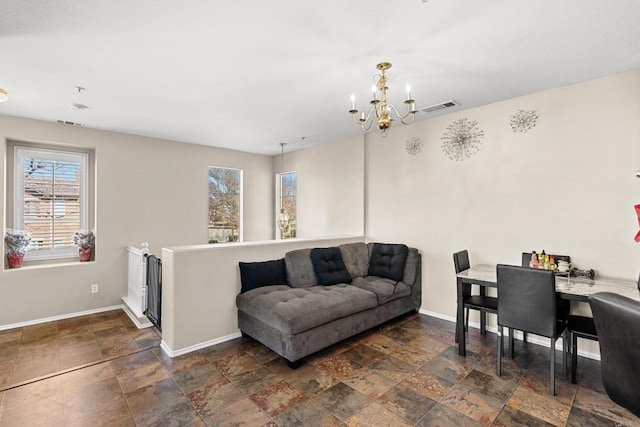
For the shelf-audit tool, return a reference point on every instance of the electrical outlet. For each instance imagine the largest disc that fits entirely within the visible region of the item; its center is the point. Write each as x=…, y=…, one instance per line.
x=94, y=289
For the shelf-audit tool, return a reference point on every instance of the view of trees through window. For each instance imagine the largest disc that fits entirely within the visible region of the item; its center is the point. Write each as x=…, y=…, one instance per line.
x=288, y=193
x=225, y=188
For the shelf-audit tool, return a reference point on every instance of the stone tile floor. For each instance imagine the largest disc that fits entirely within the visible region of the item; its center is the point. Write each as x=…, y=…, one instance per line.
x=100, y=370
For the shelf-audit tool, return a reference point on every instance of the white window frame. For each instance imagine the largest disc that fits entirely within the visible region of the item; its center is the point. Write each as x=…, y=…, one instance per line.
x=241, y=207
x=18, y=195
x=278, y=178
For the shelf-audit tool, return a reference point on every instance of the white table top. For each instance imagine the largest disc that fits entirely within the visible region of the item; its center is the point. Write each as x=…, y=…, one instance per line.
x=578, y=287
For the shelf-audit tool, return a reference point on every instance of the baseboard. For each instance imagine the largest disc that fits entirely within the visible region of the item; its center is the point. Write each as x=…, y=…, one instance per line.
x=60, y=317
x=173, y=353
x=141, y=322
x=535, y=339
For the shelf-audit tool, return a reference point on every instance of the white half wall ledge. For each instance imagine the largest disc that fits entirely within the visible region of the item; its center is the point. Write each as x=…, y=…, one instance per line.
x=201, y=282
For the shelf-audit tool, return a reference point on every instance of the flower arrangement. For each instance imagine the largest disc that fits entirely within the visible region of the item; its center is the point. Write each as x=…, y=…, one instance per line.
x=84, y=239
x=16, y=242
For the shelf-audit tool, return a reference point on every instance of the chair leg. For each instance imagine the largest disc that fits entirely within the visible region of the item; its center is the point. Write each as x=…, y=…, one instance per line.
x=565, y=349
x=524, y=336
x=574, y=358
x=499, y=352
x=466, y=322
x=512, y=341
x=552, y=368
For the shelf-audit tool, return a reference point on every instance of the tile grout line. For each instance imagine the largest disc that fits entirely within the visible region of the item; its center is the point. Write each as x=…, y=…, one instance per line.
x=72, y=369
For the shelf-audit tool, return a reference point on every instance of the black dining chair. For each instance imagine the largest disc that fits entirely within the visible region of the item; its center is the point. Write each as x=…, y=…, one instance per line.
x=617, y=320
x=526, y=259
x=481, y=302
x=579, y=327
x=528, y=302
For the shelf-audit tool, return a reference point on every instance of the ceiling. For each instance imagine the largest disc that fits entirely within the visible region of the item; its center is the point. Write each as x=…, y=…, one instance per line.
x=248, y=75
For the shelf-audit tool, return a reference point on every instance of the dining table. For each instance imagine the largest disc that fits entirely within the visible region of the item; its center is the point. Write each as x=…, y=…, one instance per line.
x=567, y=287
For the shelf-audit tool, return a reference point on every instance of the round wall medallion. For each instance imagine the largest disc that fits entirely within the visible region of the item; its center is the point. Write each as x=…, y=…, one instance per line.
x=414, y=146
x=462, y=139
x=523, y=120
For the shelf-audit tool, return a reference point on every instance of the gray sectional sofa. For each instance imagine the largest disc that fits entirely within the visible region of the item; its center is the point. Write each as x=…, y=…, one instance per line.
x=314, y=298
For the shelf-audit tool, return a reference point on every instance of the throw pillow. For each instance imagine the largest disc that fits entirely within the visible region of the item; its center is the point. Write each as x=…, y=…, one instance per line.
x=329, y=266
x=387, y=260
x=257, y=274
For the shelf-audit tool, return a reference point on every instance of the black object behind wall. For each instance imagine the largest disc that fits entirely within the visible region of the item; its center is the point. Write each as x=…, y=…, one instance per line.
x=154, y=290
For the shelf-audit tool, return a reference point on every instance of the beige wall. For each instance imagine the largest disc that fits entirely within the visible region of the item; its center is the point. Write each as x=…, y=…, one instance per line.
x=566, y=186
x=147, y=190
x=330, y=192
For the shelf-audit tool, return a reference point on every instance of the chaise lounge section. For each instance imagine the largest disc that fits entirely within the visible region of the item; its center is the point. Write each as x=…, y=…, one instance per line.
x=314, y=298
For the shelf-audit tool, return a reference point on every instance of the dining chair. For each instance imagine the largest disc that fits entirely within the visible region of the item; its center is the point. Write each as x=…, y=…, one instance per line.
x=579, y=327
x=528, y=302
x=480, y=302
x=617, y=320
x=526, y=258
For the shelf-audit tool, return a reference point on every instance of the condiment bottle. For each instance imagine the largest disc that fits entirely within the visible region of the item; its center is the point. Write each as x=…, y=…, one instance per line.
x=547, y=262
x=552, y=262
x=534, y=260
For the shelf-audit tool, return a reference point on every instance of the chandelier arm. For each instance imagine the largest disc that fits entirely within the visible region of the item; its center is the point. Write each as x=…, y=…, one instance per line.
x=412, y=118
x=366, y=119
x=395, y=110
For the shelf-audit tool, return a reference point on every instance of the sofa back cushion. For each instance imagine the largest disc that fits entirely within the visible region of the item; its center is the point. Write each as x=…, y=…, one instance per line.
x=411, y=267
x=257, y=274
x=356, y=258
x=388, y=260
x=300, y=272
x=329, y=266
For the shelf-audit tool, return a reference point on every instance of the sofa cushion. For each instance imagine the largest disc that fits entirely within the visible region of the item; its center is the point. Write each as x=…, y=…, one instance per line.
x=411, y=266
x=385, y=289
x=295, y=310
x=388, y=260
x=328, y=266
x=300, y=272
x=256, y=274
x=356, y=258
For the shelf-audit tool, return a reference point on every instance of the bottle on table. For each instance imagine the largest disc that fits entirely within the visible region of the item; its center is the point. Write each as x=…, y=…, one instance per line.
x=534, y=260
x=552, y=262
x=547, y=262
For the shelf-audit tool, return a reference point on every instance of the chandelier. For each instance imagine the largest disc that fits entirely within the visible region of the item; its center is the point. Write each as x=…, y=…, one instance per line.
x=381, y=111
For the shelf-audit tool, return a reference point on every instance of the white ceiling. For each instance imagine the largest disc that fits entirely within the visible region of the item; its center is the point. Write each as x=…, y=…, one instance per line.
x=249, y=74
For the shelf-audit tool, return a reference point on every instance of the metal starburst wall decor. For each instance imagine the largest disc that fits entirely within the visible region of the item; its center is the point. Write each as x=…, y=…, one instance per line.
x=414, y=146
x=523, y=120
x=462, y=139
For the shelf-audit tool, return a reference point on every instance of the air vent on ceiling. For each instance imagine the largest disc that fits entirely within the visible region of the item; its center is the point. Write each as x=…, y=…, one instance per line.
x=68, y=123
x=441, y=106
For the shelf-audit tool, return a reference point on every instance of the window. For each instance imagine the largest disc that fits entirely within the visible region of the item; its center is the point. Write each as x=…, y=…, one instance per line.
x=50, y=199
x=225, y=205
x=287, y=190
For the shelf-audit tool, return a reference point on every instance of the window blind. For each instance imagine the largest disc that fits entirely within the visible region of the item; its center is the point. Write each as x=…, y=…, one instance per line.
x=51, y=210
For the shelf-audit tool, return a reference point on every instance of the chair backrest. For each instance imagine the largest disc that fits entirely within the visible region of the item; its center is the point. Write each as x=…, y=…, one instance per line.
x=461, y=261
x=617, y=320
x=527, y=299
x=526, y=258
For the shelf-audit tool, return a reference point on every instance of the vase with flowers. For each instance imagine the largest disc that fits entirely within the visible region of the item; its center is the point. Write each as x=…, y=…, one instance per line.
x=84, y=240
x=16, y=243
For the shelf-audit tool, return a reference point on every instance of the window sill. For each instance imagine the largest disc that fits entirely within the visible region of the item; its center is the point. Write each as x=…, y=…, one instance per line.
x=31, y=265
